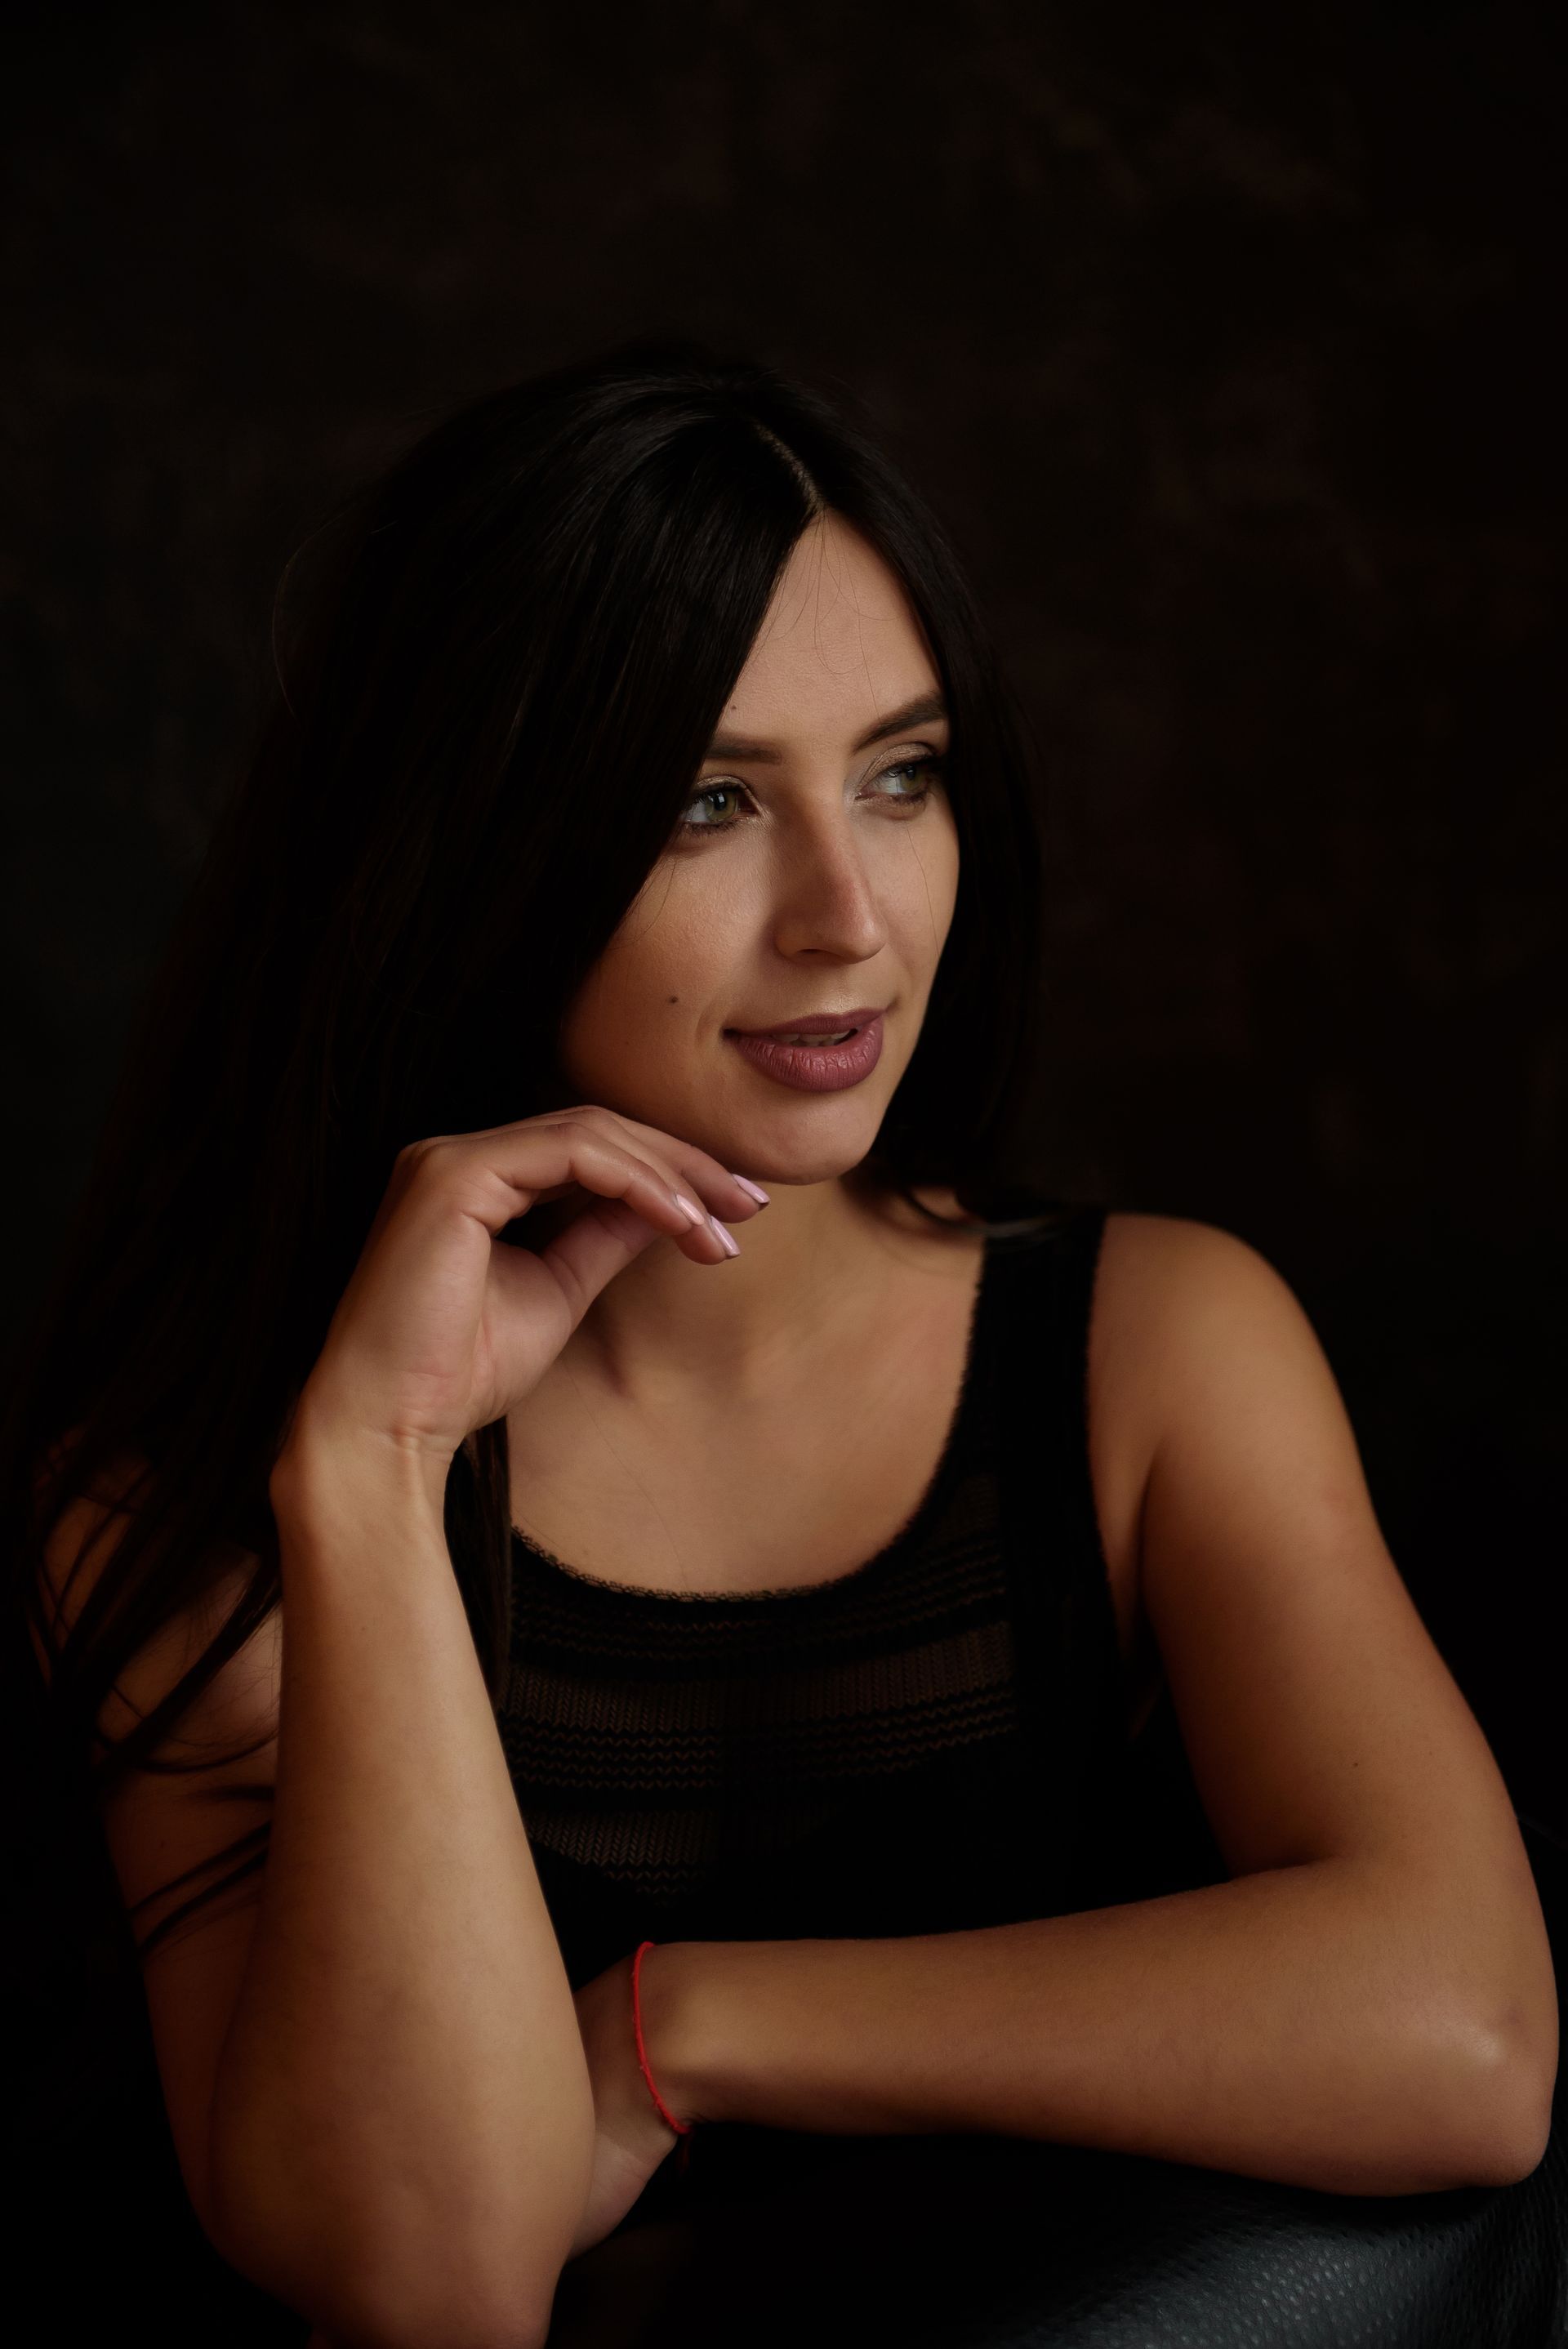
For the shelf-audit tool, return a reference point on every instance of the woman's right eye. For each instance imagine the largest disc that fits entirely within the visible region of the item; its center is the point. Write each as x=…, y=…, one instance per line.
x=709, y=792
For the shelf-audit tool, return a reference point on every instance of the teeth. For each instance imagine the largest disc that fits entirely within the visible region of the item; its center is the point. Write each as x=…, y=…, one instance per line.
x=814, y=1040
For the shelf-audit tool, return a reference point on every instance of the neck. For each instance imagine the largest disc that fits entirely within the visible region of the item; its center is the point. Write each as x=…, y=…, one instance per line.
x=814, y=1267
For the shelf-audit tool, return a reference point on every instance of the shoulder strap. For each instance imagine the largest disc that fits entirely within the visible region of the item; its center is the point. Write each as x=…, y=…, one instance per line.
x=1071, y=1727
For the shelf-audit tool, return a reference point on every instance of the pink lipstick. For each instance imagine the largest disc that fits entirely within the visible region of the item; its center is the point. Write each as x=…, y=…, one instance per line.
x=815, y=1068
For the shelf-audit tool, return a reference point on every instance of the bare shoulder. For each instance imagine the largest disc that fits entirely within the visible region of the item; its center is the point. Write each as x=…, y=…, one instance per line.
x=237, y=1707
x=1169, y=1291
x=176, y=1834
x=1190, y=1319
x=1282, y=1620
x=1166, y=1284
x=1177, y=1252
x=78, y=1550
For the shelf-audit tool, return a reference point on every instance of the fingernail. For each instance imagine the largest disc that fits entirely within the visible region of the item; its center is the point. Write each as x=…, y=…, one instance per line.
x=693, y=1214
x=758, y=1195
x=732, y=1246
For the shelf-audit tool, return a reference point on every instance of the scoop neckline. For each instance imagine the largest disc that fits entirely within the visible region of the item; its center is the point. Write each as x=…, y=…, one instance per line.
x=908, y=1533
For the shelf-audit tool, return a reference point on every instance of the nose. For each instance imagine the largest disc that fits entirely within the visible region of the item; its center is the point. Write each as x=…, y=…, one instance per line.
x=827, y=901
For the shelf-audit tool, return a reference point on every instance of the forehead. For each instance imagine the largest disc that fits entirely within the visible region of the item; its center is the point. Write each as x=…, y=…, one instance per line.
x=839, y=643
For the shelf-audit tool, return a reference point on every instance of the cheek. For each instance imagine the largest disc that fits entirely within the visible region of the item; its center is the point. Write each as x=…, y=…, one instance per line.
x=673, y=948
x=924, y=892
x=689, y=929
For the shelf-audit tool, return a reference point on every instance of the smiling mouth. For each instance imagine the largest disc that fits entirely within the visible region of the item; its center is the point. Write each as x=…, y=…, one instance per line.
x=818, y=1031
x=823, y=1060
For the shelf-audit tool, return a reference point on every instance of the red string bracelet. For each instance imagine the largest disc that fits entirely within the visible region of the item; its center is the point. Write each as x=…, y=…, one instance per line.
x=683, y=2128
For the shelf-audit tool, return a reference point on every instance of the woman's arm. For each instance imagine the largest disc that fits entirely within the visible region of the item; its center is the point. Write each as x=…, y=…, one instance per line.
x=1277, y=2026
x=402, y=2092
x=1368, y=2005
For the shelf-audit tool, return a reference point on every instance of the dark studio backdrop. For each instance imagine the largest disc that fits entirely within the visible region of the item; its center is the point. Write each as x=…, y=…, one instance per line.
x=1223, y=342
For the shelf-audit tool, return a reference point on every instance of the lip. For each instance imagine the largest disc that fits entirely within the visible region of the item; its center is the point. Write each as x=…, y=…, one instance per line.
x=817, y=1023
x=813, y=1068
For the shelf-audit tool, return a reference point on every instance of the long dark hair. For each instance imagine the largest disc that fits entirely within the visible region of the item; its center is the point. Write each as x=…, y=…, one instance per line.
x=541, y=608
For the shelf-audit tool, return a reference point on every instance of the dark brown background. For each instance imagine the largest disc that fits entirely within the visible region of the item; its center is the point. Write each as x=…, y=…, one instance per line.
x=1223, y=339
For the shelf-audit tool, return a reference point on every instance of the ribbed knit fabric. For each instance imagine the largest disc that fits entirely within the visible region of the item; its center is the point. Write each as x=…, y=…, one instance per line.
x=928, y=1741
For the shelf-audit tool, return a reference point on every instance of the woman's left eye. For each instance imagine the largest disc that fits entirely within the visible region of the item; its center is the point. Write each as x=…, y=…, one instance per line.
x=931, y=766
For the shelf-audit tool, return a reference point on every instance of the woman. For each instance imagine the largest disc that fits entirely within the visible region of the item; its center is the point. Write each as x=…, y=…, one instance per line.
x=801, y=1617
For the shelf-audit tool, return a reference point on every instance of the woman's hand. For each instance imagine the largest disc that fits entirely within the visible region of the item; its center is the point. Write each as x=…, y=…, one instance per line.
x=631, y=2138
x=443, y=1327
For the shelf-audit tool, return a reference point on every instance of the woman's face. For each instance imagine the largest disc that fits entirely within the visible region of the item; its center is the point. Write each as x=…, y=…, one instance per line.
x=815, y=870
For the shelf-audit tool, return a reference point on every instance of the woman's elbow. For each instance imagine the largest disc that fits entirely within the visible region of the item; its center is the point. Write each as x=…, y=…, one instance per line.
x=1507, y=2122
x=466, y=2319
x=382, y=2298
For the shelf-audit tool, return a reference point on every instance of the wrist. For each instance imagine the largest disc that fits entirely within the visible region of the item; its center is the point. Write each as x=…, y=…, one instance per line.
x=325, y=1469
x=675, y=1992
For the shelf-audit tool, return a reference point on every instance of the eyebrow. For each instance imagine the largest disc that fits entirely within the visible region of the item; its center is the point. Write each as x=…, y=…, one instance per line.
x=924, y=712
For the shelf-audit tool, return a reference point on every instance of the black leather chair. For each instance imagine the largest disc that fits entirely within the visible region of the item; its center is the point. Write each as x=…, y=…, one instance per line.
x=974, y=2242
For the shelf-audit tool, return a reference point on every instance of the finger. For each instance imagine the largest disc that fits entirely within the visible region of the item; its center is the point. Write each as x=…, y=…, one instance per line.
x=548, y=1222
x=589, y=1252
x=496, y=1179
x=701, y=1239
x=504, y=1172
x=683, y=1164
x=606, y=1168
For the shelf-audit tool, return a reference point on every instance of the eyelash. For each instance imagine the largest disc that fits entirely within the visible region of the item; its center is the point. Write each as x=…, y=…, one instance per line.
x=929, y=762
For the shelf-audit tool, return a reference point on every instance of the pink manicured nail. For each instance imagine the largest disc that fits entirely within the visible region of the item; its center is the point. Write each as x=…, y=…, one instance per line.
x=751, y=1188
x=732, y=1247
x=692, y=1214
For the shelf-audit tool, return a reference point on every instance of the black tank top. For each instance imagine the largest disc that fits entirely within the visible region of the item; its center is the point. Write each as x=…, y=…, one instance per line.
x=933, y=1741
